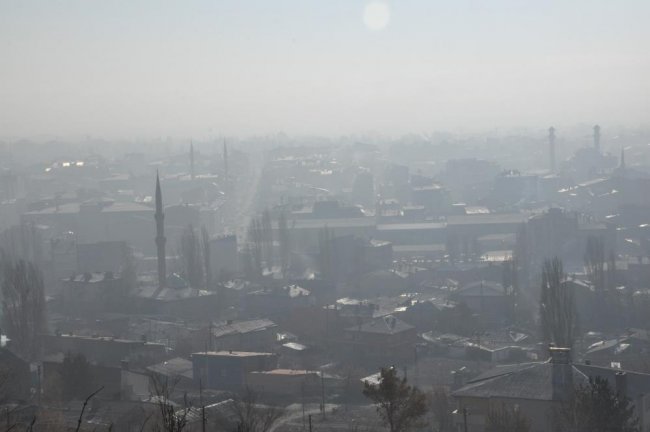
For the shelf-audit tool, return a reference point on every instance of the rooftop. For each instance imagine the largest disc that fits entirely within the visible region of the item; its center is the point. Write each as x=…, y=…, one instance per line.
x=242, y=327
x=231, y=354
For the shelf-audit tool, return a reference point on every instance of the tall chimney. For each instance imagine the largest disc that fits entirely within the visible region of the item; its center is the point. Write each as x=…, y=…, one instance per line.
x=621, y=383
x=597, y=137
x=551, y=148
x=562, y=373
x=160, y=235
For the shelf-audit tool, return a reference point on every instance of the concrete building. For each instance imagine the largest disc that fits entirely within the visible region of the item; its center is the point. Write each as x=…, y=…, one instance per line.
x=228, y=370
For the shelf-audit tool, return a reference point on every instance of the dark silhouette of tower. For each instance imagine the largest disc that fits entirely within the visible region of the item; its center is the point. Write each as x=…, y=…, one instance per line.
x=621, y=164
x=597, y=137
x=160, y=235
x=191, y=160
x=225, y=165
x=551, y=148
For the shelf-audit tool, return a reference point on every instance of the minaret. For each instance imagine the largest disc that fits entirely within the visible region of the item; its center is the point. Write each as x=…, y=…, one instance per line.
x=225, y=165
x=551, y=148
x=621, y=164
x=597, y=138
x=160, y=235
x=191, y=160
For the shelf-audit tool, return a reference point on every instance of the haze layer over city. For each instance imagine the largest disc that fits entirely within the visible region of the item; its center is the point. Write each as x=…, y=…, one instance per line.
x=346, y=215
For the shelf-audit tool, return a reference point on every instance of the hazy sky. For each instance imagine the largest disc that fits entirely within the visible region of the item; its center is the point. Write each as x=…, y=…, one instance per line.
x=208, y=67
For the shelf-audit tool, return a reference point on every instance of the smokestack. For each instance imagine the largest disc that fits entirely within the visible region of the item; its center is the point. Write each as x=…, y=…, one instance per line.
x=621, y=384
x=551, y=148
x=597, y=137
x=159, y=216
x=562, y=373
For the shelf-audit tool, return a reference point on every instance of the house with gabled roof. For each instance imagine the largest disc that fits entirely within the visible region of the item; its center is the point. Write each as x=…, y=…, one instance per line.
x=539, y=389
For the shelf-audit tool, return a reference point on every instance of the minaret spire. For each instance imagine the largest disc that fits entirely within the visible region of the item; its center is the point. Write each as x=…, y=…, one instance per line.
x=191, y=160
x=622, y=161
x=225, y=165
x=160, y=235
x=551, y=148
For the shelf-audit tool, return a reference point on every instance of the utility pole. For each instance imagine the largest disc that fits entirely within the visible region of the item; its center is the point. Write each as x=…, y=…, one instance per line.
x=302, y=394
x=322, y=386
x=202, y=405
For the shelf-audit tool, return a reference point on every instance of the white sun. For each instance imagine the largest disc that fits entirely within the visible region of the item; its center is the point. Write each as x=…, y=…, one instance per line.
x=376, y=15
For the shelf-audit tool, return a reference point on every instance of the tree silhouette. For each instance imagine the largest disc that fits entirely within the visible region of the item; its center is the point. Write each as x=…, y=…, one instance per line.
x=506, y=419
x=23, y=305
x=557, y=306
x=596, y=407
x=399, y=405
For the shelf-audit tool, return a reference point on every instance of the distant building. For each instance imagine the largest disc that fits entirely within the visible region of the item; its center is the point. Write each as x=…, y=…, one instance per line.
x=379, y=342
x=107, y=256
x=488, y=299
x=228, y=370
x=537, y=390
x=91, y=293
x=223, y=256
x=285, y=383
x=253, y=335
x=106, y=351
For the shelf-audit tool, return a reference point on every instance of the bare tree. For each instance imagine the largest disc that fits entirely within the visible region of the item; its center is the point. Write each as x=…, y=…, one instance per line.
x=399, y=405
x=251, y=416
x=169, y=418
x=24, y=241
x=23, y=305
x=506, y=419
x=255, y=245
x=596, y=407
x=557, y=306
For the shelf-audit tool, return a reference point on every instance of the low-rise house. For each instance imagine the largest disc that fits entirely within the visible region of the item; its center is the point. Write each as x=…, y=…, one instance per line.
x=252, y=335
x=88, y=294
x=273, y=302
x=15, y=376
x=486, y=298
x=539, y=389
x=176, y=300
x=105, y=350
x=177, y=370
x=285, y=383
x=629, y=351
x=107, y=377
x=228, y=370
x=379, y=341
